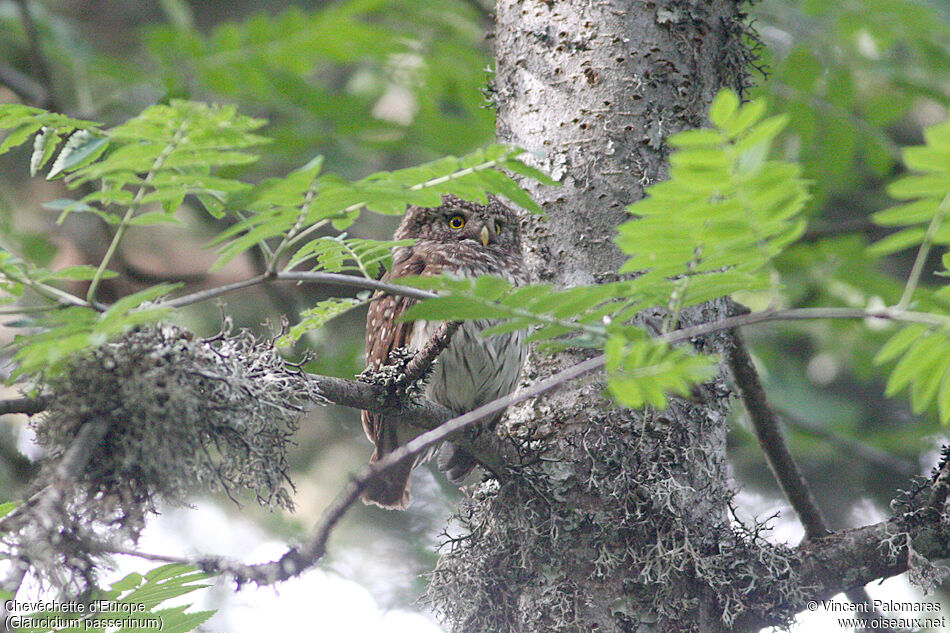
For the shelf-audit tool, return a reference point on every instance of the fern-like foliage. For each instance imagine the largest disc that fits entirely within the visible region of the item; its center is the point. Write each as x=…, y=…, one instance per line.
x=160, y=156
x=924, y=196
x=725, y=212
x=61, y=333
x=138, y=174
x=296, y=207
x=921, y=351
x=316, y=317
x=643, y=371
x=353, y=77
x=337, y=253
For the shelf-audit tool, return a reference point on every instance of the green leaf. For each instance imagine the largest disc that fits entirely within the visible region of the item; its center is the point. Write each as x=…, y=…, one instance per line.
x=129, y=582
x=724, y=107
x=44, y=145
x=307, y=198
x=643, y=372
x=19, y=135
x=339, y=254
x=452, y=308
x=81, y=149
x=80, y=273
x=927, y=159
x=899, y=343
x=918, y=355
x=317, y=316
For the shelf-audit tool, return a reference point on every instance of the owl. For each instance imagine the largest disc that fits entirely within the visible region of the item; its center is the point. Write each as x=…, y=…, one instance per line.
x=464, y=239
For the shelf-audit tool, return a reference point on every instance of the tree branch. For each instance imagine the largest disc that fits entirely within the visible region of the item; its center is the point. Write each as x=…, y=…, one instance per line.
x=301, y=558
x=854, y=558
x=495, y=453
x=23, y=86
x=29, y=406
x=805, y=314
x=779, y=458
x=421, y=363
x=859, y=450
x=766, y=426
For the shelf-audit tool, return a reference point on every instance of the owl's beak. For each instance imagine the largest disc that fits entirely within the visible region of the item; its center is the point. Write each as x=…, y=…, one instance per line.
x=486, y=237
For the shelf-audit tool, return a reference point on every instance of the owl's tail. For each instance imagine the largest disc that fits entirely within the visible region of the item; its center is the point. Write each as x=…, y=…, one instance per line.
x=389, y=490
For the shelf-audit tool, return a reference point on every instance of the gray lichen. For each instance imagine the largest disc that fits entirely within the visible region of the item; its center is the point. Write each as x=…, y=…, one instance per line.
x=631, y=538
x=392, y=375
x=180, y=415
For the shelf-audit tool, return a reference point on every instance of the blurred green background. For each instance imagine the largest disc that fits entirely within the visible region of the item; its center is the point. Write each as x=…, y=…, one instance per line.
x=375, y=85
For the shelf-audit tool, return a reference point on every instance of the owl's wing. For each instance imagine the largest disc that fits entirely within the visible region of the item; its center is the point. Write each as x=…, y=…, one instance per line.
x=384, y=333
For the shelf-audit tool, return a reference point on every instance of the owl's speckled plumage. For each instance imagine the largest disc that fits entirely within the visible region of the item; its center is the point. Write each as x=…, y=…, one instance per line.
x=473, y=370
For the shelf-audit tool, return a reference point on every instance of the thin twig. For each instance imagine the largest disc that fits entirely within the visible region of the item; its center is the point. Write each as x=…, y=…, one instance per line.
x=870, y=454
x=51, y=292
x=328, y=279
x=301, y=217
x=421, y=363
x=159, y=558
x=211, y=293
x=806, y=314
x=676, y=336
x=130, y=212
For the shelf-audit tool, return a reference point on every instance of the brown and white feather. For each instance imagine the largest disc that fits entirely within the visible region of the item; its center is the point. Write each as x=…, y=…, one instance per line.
x=473, y=370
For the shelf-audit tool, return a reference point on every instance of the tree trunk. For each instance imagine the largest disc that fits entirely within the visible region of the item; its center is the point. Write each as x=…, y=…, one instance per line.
x=622, y=525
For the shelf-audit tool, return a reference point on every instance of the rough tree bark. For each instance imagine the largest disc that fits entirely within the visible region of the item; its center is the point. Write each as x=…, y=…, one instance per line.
x=622, y=523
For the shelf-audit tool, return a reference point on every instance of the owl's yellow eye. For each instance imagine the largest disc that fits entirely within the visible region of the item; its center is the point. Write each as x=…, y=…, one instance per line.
x=456, y=221
x=498, y=227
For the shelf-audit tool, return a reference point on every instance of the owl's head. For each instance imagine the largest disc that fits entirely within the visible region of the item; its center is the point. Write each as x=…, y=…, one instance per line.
x=490, y=226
